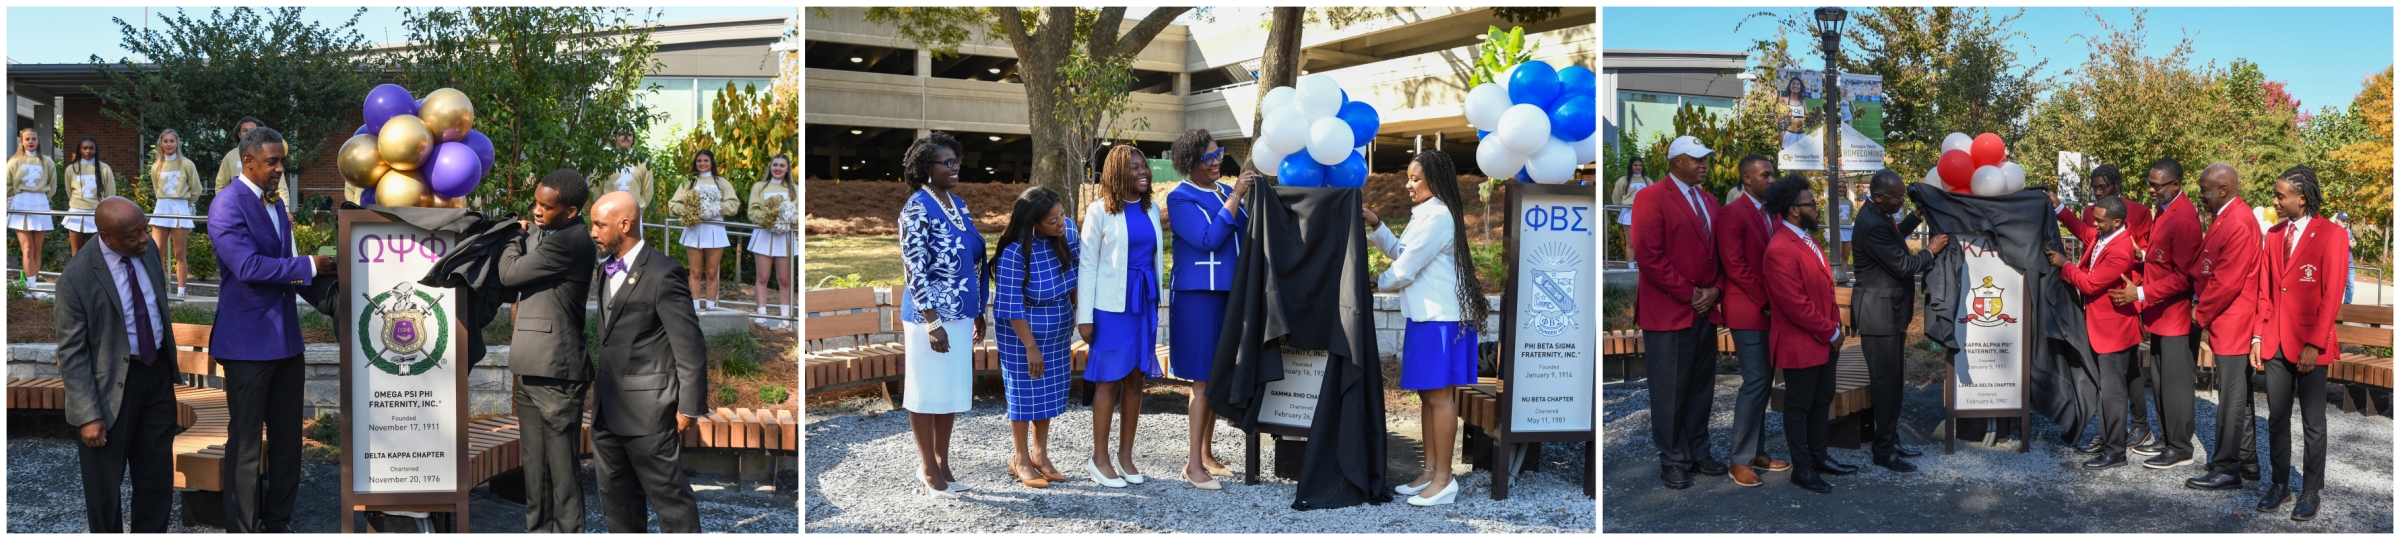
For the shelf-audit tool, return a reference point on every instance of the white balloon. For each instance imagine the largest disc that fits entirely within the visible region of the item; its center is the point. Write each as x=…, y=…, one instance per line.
x=1318, y=98
x=1278, y=99
x=2016, y=175
x=1497, y=162
x=1989, y=182
x=1524, y=128
x=1933, y=177
x=1958, y=141
x=1484, y=106
x=1284, y=132
x=1586, y=150
x=1505, y=76
x=1329, y=141
x=1554, y=163
x=1266, y=161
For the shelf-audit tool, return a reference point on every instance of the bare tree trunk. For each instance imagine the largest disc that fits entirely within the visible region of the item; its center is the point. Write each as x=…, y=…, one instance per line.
x=1280, y=66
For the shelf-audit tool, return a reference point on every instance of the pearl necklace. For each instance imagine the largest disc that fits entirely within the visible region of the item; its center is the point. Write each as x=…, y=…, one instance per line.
x=942, y=205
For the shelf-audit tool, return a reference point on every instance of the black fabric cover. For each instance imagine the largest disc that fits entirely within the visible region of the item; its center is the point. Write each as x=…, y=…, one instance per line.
x=1305, y=285
x=472, y=267
x=2023, y=225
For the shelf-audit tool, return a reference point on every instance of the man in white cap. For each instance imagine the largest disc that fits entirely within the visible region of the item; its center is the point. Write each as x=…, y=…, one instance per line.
x=1677, y=255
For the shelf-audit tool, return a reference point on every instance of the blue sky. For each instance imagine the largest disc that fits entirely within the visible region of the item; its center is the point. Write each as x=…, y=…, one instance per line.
x=2324, y=53
x=64, y=35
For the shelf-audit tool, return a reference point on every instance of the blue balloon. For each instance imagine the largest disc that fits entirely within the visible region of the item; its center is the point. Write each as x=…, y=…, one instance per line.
x=1350, y=173
x=1363, y=120
x=1533, y=83
x=1521, y=177
x=1299, y=170
x=1482, y=134
x=1345, y=95
x=1574, y=118
x=1577, y=81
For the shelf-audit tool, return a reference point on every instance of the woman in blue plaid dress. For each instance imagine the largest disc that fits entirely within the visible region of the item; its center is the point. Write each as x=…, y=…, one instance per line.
x=1033, y=282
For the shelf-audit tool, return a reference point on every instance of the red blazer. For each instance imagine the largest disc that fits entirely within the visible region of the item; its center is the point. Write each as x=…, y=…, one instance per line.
x=1806, y=319
x=2172, y=258
x=2307, y=290
x=2112, y=327
x=2137, y=217
x=1675, y=253
x=2228, y=284
x=1742, y=231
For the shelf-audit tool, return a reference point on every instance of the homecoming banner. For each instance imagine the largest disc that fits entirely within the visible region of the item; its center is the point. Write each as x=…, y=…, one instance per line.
x=1801, y=118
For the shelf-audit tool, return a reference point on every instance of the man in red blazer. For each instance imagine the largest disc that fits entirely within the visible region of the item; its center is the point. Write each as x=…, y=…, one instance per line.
x=2107, y=182
x=1677, y=255
x=1805, y=328
x=2307, y=259
x=2114, y=328
x=2165, y=299
x=1742, y=229
x=2228, y=287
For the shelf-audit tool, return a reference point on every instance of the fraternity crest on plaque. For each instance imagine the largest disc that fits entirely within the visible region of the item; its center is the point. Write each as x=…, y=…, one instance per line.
x=1986, y=308
x=1551, y=269
x=414, y=333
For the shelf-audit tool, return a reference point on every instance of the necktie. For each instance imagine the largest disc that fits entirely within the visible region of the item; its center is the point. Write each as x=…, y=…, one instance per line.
x=147, y=341
x=1693, y=194
x=614, y=267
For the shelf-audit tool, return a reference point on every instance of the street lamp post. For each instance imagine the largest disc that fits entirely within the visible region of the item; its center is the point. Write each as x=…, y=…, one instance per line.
x=1829, y=37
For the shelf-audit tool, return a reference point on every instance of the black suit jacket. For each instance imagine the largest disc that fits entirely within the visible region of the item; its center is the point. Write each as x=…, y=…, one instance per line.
x=1884, y=297
x=549, y=276
x=653, y=362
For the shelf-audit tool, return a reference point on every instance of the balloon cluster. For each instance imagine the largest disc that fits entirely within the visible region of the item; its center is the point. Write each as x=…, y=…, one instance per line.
x=1314, y=136
x=1536, y=124
x=416, y=152
x=1976, y=166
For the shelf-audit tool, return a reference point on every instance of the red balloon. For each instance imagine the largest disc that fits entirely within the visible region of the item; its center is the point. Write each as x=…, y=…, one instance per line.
x=1957, y=169
x=1989, y=150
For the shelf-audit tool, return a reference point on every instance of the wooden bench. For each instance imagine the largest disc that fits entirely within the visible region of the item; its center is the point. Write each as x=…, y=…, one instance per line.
x=2366, y=379
x=200, y=413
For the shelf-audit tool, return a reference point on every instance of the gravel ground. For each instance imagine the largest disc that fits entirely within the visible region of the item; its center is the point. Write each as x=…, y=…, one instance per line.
x=45, y=495
x=861, y=460
x=1981, y=488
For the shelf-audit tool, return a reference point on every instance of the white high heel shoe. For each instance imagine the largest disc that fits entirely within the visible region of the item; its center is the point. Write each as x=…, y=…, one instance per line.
x=928, y=491
x=1104, y=480
x=1411, y=489
x=1448, y=495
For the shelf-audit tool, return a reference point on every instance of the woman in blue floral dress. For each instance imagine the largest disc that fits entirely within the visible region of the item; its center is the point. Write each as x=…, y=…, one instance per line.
x=943, y=302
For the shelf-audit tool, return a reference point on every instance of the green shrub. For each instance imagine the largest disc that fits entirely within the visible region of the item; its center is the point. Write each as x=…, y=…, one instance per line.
x=736, y=354
x=726, y=395
x=326, y=429
x=773, y=394
x=191, y=314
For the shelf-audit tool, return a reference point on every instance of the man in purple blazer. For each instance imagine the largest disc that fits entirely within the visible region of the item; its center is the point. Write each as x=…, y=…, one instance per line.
x=257, y=337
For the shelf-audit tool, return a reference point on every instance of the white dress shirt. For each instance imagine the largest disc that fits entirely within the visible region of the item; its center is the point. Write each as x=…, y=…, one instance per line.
x=2291, y=238
x=1424, y=263
x=616, y=283
x=279, y=225
x=126, y=303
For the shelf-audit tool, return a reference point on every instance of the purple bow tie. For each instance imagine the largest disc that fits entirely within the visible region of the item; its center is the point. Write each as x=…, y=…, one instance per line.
x=614, y=267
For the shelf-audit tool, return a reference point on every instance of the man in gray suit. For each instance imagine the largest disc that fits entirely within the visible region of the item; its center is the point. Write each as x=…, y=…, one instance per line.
x=549, y=272
x=653, y=378
x=118, y=358
x=1883, y=303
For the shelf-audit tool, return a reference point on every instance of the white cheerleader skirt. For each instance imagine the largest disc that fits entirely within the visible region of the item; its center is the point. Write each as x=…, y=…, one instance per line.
x=84, y=223
x=28, y=222
x=705, y=236
x=939, y=383
x=178, y=207
x=771, y=243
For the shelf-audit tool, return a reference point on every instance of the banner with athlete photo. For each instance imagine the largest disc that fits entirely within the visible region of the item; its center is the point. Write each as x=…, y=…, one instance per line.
x=1801, y=119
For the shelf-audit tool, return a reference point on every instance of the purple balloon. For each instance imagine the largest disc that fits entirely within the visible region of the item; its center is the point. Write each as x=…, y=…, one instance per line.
x=454, y=170
x=363, y=130
x=483, y=150
x=366, y=197
x=385, y=102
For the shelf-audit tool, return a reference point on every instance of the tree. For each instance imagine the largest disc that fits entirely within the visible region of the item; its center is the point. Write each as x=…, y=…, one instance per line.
x=2259, y=130
x=550, y=85
x=2364, y=184
x=1944, y=69
x=1280, y=64
x=301, y=78
x=2126, y=107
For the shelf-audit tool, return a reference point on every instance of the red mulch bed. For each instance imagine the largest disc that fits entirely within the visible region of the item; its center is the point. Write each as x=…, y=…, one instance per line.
x=870, y=207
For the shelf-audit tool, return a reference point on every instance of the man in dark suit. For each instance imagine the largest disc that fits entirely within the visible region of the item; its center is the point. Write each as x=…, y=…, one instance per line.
x=257, y=337
x=118, y=359
x=1677, y=255
x=653, y=380
x=1742, y=230
x=1882, y=303
x=549, y=271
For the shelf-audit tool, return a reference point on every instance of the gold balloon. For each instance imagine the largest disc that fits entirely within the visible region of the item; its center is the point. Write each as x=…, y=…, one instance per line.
x=358, y=160
x=381, y=169
x=438, y=201
x=401, y=188
x=404, y=143
x=448, y=114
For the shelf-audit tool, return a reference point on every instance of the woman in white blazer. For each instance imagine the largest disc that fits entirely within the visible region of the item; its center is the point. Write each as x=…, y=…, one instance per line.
x=1116, y=306
x=1444, y=303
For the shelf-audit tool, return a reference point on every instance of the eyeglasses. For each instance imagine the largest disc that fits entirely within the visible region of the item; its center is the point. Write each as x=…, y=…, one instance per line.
x=1810, y=204
x=951, y=163
x=1212, y=155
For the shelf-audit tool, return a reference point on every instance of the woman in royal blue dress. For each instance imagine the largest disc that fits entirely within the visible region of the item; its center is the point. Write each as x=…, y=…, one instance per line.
x=1117, y=303
x=944, y=302
x=1033, y=302
x=1207, y=217
x=1446, y=310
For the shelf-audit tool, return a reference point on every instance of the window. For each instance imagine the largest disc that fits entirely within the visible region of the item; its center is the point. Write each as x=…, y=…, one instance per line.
x=683, y=102
x=1649, y=114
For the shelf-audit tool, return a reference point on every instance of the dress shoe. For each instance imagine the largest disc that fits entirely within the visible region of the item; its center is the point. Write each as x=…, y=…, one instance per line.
x=1809, y=481
x=1746, y=476
x=1896, y=464
x=1674, y=477
x=1903, y=451
x=1708, y=467
x=2214, y=481
x=2306, y=509
x=1104, y=480
x=1769, y=464
x=2167, y=460
x=1411, y=489
x=2250, y=474
x=1448, y=495
x=2090, y=448
x=1836, y=468
x=2149, y=447
x=2275, y=496
x=2105, y=461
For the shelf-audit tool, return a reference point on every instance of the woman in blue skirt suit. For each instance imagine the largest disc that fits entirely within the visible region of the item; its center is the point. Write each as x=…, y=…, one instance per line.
x=943, y=302
x=1033, y=301
x=1207, y=217
x=1117, y=302
x=1444, y=303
